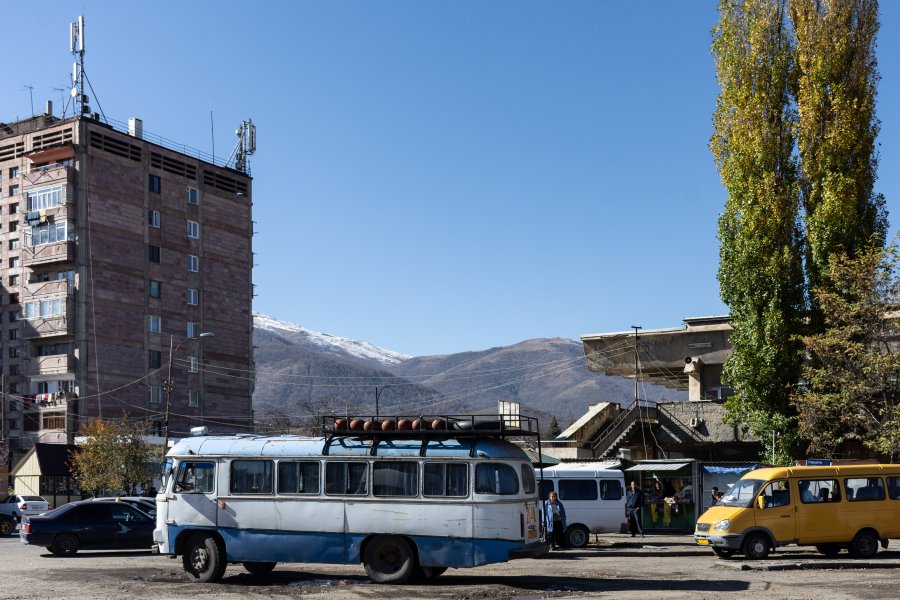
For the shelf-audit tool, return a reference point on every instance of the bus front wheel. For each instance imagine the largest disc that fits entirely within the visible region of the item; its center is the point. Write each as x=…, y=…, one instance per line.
x=204, y=558
x=389, y=559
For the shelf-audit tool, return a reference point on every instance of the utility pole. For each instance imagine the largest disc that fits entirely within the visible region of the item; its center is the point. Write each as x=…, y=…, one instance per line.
x=636, y=328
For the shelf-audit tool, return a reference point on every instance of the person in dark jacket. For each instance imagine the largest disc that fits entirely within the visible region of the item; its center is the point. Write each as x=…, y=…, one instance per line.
x=554, y=520
x=634, y=504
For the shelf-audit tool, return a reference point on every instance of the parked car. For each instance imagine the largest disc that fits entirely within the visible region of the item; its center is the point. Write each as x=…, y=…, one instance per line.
x=17, y=506
x=89, y=524
x=147, y=505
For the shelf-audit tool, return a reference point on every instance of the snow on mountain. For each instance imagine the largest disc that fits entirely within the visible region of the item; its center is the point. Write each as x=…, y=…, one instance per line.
x=332, y=343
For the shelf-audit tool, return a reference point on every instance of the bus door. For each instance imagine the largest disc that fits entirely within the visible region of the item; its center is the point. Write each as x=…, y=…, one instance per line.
x=192, y=497
x=777, y=513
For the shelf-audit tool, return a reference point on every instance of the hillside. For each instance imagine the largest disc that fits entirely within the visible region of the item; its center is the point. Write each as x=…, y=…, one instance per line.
x=302, y=374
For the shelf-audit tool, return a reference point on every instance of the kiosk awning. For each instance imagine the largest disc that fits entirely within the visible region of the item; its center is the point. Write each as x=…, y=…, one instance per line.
x=658, y=467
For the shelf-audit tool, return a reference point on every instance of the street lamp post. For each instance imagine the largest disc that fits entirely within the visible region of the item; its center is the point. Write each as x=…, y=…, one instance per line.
x=378, y=391
x=170, y=384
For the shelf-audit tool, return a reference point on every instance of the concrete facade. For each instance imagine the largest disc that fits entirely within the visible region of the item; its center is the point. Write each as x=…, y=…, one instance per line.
x=115, y=249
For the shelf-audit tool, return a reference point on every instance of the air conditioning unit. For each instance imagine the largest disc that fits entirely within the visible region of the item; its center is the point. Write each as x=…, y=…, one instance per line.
x=696, y=422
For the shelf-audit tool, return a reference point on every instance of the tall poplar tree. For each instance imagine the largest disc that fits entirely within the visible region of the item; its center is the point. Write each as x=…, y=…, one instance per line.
x=837, y=74
x=760, y=272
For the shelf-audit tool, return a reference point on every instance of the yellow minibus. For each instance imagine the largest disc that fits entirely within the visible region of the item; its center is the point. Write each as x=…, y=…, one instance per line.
x=832, y=508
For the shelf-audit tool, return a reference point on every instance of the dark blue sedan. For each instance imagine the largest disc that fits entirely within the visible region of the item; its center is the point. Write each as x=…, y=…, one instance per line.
x=97, y=525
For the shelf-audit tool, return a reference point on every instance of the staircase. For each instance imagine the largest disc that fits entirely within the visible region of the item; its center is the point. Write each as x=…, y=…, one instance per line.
x=636, y=414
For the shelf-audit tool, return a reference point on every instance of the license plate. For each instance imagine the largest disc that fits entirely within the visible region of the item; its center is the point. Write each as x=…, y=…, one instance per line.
x=532, y=533
x=703, y=542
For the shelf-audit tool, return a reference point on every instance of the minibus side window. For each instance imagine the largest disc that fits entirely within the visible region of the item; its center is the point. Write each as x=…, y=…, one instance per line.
x=196, y=477
x=862, y=489
x=528, y=483
x=610, y=489
x=252, y=477
x=577, y=489
x=446, y=479
x=496, y=478
x=546, y=488
x=819, y=490
x=395, y=478
x=777, y=494
x=893, y=484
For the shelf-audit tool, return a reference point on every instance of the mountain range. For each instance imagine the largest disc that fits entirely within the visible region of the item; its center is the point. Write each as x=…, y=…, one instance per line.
x=302, y=375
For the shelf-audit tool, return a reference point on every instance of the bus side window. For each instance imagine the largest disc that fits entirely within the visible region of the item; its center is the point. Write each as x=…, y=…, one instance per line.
x=251, y=477
x=346, y=478
x=196, y=477
x=298, y=477
x=496, y=478
x=446, y=479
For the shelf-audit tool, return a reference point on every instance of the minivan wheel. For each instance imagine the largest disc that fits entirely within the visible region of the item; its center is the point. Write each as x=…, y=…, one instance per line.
x=756, y=546
x=864, y=545
x=577, y=536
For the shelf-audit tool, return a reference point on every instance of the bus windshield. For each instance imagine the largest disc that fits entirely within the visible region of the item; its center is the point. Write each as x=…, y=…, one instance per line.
x=741, y=493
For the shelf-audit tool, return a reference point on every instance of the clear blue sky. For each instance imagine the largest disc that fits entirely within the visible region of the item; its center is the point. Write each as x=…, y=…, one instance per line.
x=435, y=177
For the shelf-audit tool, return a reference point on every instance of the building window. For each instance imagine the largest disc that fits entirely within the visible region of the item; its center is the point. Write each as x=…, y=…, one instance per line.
x=48, y=197
x=193, y=229
x=154, y=183
x=43, y=309
x=193, y=263
x=13, y=226
x=14, y=315
x=14, y=388
x=14, y=298
x=13, y=280
x=155, y=394
x=13, y=172
x=13, y=369
x=155, y=359
x=155, y=289
x=193, y=297
x=13, y=334
x=13, y=208
x=153, y=253
x=193, y=330
x=153, y=218
x=13, y=190
x=193, y=195
x=14, y=262
x=193, y=398
x=193, y=364
x=49, y=233
x=14, y=352
x=154, y=324
x=14, y=244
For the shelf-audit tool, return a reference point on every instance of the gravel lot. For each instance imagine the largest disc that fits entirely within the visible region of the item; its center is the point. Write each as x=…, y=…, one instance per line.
x=615, y=566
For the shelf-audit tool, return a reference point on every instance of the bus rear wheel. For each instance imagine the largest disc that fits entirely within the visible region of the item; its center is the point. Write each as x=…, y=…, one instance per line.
x=259, y=568
x=389, y=559
x=204, y=558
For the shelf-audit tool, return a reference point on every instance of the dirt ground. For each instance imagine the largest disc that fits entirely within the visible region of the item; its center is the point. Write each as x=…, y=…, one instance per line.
x=614, y=566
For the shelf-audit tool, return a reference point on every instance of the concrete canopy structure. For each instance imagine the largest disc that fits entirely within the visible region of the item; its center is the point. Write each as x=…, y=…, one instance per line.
x=685, y=358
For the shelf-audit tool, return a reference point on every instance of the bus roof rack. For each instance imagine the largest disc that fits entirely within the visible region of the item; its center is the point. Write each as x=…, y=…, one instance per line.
x=430, y=426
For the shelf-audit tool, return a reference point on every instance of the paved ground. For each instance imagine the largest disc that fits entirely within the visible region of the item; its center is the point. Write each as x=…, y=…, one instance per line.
x=614, y=566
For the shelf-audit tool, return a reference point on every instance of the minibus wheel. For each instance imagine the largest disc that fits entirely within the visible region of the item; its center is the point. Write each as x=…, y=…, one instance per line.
x=204, y=558
x=864, y=545
x=389, y=559
x=756, y=546
x=577, y=536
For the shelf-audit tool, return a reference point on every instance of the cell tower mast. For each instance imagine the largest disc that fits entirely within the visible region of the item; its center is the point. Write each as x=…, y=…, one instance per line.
x=76, y=45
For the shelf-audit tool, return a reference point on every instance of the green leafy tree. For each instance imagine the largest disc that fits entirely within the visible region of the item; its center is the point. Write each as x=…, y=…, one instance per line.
x=760, y=272
x=852, y=374
x=837, y=74
x=115, y=457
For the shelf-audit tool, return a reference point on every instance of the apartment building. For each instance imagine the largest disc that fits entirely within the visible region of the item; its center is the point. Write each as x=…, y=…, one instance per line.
x=125, y=265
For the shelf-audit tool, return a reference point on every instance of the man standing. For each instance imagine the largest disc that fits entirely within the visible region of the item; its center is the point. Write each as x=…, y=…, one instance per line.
x=634, y=505
x=714, y=496
x=554, y=521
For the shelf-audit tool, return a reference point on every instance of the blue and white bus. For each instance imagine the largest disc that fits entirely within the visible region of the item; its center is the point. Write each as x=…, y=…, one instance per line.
x=406, y=503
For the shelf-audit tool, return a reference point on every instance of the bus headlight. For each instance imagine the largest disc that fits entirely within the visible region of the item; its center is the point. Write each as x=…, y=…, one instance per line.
x=722, y=525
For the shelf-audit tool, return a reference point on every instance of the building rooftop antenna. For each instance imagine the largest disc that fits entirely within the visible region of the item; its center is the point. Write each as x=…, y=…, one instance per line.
x=246, y=145
x=79, y=77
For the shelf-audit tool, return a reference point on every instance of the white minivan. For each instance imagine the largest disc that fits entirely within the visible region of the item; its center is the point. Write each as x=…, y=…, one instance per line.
x=594, y=498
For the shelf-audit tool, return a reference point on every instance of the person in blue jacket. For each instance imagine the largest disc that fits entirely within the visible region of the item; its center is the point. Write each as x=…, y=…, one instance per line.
x=554, y=521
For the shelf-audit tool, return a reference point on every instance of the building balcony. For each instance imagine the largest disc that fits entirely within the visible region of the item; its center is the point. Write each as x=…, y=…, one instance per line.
x=45, y=327
x=58, y=252
x=53, y=403
x=55, y=364
x=57, y=287
x=45, y=175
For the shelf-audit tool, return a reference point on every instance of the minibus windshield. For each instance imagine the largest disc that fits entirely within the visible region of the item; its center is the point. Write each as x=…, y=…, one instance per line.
x=741, y=493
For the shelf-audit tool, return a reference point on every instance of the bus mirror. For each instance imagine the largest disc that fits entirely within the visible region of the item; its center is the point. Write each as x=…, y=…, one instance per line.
x=761, y=502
